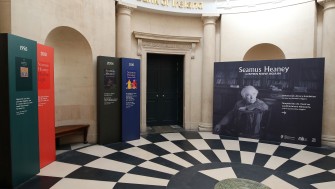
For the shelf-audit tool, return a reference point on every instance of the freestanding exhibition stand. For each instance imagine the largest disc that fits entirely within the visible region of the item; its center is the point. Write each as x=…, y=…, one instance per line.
x=130, y=99
x=109, y=100
x=118, y=98
x=19, y=148
x=46, y=104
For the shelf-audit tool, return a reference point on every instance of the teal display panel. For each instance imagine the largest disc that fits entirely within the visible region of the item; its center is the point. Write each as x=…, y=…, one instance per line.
x=19, y=148
x=130, y=99
x=109, y=99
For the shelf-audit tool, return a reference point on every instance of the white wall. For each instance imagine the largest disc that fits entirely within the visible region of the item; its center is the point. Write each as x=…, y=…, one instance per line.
x=291, y=28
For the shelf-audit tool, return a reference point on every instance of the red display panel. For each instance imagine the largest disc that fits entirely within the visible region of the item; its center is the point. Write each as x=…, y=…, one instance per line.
x=46, y=104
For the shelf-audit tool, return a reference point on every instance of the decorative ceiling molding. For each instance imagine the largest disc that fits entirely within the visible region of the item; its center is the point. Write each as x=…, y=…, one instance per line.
x=157, y=41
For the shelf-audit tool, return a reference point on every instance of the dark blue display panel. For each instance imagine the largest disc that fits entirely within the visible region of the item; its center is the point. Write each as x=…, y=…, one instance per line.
x=279, y=100
x=130, y=99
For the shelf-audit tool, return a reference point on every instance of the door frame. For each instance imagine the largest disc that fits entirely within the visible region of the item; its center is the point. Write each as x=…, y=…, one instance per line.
x=163, y=44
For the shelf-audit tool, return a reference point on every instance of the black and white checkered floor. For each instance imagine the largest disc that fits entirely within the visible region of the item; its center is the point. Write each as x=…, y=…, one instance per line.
x=188, y=160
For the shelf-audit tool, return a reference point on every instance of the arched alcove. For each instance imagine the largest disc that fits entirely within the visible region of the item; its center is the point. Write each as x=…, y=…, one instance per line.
x=74, y=83
x=264, y=51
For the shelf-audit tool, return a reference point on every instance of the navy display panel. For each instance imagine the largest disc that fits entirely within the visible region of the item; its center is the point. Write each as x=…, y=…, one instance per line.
x=130, y=99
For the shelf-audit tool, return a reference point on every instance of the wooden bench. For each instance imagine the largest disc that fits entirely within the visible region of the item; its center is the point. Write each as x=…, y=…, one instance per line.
x=66, y=130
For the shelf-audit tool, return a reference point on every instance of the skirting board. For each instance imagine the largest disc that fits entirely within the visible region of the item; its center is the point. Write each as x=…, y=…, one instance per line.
x=328, y=140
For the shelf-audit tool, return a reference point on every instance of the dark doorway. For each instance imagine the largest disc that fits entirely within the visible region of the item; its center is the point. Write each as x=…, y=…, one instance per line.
x=165, y=89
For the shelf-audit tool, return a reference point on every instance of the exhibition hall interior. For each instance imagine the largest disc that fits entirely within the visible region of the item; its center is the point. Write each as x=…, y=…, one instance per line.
x=167, y=94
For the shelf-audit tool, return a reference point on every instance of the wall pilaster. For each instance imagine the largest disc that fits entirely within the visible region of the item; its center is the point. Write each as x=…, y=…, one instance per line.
x=207, y=73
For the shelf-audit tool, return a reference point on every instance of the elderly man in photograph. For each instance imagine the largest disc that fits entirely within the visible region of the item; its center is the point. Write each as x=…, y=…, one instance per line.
x=246, y=116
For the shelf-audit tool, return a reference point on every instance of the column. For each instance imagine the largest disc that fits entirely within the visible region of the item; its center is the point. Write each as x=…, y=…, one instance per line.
x=5, y=16
x=123, y=30
x=207, y=73
x=328, y=46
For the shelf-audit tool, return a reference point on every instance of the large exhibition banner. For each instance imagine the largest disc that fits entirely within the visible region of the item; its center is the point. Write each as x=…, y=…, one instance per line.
x=109, y=99
x=130, y=99
x=278, y=100
x=46, y=104
x=19, y=148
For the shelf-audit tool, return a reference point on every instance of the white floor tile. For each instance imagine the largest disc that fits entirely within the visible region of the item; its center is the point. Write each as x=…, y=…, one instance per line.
x=277, y=183
x=268, y=149
x=139, y=179
x=306, y=157
x=82, y=184
x=290, y=145
x=139, y=142
x=169, y=146
x=140, y=153
x=198, y=156
x=208, y=135
x=222, y=155
x=175, y=159
x=247, y=157
x=58, y=169
x=110, y=165
x=325, y=185
x=231, y=144
x=220, y=174
x=199, y=144
x=305, y=171
x=248, y=139
x=332, y=155
x=97, y=150
x=274, y=162
x=157, y=167
x=173, y=136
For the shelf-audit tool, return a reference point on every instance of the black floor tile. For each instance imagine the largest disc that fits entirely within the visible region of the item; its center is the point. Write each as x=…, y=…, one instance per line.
x=285, y=152
x=319, y=178
x=210, y=155
x=215, y=144
x=187, y=157
x=289, y=166
x=154, y=149
x=75, y=157
x=89, y=173
x=184, y=145
x=155, y=138
x=167, y=163
x=39, y=182
x=251, y=172
x=320, y=150
x=119, y=146
x=248, y=146
x=326, y=163
x=150, y=173
x=191, y=135
x=261, y=159
x=125, y=158
x=234, y=156
x=136, y=186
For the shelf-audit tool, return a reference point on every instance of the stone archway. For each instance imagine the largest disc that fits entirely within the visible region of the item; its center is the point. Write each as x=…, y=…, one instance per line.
x=74, y=78
x=264, y=51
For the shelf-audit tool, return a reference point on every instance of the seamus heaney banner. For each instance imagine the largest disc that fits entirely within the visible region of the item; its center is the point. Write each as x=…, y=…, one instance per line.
x=279, y=100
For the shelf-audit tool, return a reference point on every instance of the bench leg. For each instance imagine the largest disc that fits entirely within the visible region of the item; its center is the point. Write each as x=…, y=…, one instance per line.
x=57, y=142
x=85, y=135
